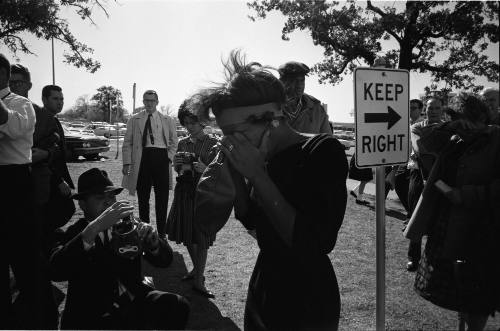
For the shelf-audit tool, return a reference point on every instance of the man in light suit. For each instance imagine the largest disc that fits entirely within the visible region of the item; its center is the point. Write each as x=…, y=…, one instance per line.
x=148, y=149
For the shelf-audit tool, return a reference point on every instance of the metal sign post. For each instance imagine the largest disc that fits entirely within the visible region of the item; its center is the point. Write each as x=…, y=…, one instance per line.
x=380, y=244
x=381, y=110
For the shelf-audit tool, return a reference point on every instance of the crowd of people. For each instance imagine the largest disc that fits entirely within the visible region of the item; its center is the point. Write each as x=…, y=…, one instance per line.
x=281, y=169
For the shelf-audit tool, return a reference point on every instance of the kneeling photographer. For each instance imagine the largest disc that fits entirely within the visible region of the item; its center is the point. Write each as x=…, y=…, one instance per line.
x=100, y=257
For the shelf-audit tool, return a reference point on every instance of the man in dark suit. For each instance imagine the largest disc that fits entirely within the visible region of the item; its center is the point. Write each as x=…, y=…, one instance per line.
x=105, y=289
x=60, y=206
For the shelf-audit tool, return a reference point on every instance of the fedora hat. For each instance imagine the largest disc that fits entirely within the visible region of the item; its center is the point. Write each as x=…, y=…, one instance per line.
x=94, y=181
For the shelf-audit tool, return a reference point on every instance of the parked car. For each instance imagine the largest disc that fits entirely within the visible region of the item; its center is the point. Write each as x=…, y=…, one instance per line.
x=87, y=145
x=110, y=130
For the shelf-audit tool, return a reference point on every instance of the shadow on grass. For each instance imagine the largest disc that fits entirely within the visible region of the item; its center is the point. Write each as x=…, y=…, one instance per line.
x=204, y=313
x=391, y=212
x=391, y=209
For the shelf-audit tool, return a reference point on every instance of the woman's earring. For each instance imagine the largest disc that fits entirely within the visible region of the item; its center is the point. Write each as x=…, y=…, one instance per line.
x=275, y=123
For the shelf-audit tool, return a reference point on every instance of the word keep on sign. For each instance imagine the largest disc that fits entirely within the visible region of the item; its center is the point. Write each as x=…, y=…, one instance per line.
x=382, y=116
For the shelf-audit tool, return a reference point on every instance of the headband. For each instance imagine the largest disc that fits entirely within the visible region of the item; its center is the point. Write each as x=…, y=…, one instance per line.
x=237, y=115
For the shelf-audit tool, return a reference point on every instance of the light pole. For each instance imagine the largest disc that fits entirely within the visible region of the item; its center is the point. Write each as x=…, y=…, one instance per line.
x=53, y=65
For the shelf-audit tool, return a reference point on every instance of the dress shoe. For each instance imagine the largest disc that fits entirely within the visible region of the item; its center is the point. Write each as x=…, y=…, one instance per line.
x=362, y=202
x=411, y=266
x=203, y=292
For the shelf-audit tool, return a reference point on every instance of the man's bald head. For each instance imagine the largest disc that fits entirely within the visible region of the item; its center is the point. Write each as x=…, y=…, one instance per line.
x=434, y=110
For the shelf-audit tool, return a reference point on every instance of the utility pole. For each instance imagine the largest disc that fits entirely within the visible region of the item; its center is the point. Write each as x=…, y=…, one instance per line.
x=53, y=65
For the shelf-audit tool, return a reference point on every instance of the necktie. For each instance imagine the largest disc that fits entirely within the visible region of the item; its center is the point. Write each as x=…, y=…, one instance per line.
x=147, y=129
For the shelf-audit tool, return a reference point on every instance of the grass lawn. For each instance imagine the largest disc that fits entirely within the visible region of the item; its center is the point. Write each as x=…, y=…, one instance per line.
x=231, y=260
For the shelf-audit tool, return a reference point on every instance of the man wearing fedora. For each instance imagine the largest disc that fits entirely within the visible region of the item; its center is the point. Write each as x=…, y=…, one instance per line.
x=105, y=288
x=148, y=150
x=304, y=112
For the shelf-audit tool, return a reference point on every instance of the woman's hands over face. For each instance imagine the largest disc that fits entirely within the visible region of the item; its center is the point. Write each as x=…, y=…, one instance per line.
x=244, y=157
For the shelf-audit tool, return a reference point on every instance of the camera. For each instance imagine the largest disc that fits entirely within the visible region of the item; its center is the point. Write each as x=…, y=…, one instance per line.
x=187, y=157
x=187, y=160
x=125, y=240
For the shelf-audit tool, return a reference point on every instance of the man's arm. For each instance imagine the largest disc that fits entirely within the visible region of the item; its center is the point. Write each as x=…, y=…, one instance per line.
x=16, y=123
x=172, y=138
x=127, y=146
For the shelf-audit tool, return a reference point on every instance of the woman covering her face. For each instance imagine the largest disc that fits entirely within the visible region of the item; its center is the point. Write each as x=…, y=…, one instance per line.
x=194, y=153
x=296, y=205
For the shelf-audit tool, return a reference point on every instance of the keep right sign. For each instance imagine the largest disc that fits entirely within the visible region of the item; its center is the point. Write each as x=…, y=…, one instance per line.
x=381, y=108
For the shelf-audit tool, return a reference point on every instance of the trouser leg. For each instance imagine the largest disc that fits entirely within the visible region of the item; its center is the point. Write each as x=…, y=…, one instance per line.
x=144, y=183
x=23, y=245
x=401, y=187
x=416, y=186
x=160, y=184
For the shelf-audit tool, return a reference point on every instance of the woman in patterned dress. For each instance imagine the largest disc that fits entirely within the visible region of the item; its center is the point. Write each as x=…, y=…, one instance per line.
x=194, y=153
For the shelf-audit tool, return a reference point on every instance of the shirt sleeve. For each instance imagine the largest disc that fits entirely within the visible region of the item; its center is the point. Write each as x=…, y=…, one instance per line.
x=128, y=143
x=172, y=139
x=321, y=211
x=21, y=119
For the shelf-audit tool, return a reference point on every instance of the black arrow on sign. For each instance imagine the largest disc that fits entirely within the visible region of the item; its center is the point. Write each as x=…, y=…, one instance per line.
x=391, y=117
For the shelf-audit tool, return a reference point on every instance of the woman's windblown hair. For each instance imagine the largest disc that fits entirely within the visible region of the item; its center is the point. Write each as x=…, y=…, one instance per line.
x=244, y=85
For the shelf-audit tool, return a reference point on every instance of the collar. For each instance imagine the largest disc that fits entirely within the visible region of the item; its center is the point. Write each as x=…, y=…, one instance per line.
x=4, y=92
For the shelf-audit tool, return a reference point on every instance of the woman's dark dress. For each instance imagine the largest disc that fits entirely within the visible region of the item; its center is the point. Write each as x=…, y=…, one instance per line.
x=295, y=288
x=180, y=218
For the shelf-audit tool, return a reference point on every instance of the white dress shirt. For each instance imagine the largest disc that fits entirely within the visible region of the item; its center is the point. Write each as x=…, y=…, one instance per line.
x=16, y=135
x=157, y=128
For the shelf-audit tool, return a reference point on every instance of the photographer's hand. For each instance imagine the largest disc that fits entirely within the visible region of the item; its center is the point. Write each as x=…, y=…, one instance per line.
x=149, y=237
x=64, y=189
x=126, y=170
x=108, y=218
x=199, y=166
x=177, y=162
x=38, y=154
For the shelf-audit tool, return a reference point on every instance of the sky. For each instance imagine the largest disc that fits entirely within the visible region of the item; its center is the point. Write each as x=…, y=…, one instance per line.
x=176, y=47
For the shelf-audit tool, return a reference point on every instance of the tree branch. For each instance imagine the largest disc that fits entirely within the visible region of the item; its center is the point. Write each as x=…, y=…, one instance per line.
x=68, y=40
x=18, y=28
x=24, y=47
x=377, y=10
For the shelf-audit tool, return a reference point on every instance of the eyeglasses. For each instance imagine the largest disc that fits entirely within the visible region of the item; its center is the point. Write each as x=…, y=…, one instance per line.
x=17, y=82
